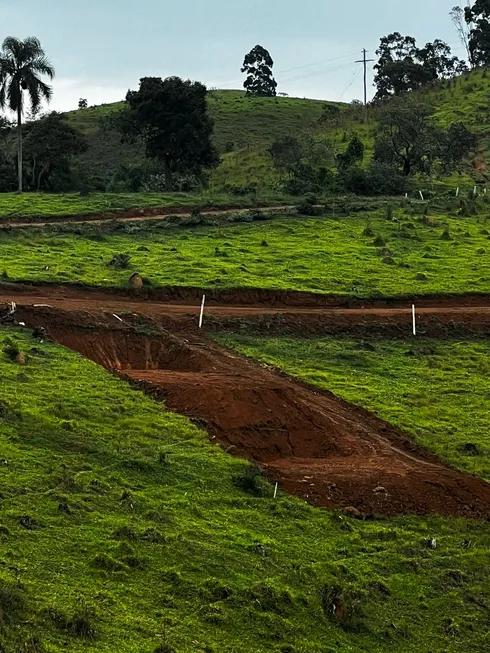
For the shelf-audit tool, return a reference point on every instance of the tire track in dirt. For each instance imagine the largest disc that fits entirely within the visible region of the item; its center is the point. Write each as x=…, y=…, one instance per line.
x=316, y=445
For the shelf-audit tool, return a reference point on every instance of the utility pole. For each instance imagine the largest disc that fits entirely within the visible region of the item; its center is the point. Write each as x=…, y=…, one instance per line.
x=365, y=62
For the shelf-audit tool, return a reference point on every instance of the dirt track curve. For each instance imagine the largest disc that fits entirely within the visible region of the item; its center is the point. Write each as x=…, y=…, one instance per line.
x=314, y=444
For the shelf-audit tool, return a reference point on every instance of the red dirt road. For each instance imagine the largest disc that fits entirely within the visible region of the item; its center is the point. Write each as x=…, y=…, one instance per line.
x=177, y=309
x=314, y=444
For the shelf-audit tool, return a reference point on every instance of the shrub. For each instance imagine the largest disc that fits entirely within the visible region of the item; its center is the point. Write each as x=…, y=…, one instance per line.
x=307, y=179
x=270, y=599
x=10, y=349
x=82, y=622
x=165, y=648
x=368, y=230
x=309, y=205
x=196, y=212
x=343, y=605
x=252, y=481
x=125, y=533
x=13, y=605
x=120, y=261
x=106, y=562
x=377, y=179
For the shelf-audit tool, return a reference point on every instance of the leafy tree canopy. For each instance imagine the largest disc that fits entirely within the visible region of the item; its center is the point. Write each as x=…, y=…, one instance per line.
x=170, y=116
x=402, y=66
x=258, y=66
x=478, y=19
x=353, y=155
x=408, y=139
x=50, y=145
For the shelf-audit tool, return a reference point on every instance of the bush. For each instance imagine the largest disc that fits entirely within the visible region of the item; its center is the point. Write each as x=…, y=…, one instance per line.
x=165, y=648
x=10, y=349
x=368, y=230
x=307, y=179
x=309, y=206
x=446, y=234
x=82, y=623
x=13, y=605
x=120, y=261
x=378, y=179
x=252, y=481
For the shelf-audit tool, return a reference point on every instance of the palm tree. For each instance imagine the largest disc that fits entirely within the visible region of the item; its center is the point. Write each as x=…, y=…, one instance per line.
x=21, y=65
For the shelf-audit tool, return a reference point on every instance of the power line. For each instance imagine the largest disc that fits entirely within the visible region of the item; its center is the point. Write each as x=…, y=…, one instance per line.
x=308, y=65
x=354, y=77
x=317, y=63
x=318, y=72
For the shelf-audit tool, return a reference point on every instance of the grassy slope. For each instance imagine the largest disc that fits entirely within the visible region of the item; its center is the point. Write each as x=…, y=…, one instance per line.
x=329, y=255
x=437, y=391
x=46, y=205
x=241, y=122
x=132, y=514
x=248, y=125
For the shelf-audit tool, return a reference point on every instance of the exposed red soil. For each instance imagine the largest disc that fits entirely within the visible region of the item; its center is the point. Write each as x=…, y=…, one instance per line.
x=314, y=444
x=130, y=215
x=285, y=314
x=238, y=298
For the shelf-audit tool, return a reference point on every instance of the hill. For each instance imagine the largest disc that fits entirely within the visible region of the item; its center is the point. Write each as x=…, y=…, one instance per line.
x=245, y=126
x=241, y=123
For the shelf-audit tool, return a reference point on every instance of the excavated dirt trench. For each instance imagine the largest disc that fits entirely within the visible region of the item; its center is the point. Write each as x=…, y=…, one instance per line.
x=314, y=444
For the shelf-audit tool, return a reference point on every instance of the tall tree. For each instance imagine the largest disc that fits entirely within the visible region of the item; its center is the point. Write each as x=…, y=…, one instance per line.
x=407, y=138
x=22, y=63
x=478, y=19
x=170, y=116
x=258, y=66
x=402, y=66
x=50, y=145
x=462, y=28
x=353, y=155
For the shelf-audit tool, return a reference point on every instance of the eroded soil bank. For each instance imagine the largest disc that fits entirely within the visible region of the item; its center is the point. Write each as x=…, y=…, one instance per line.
x=314, y=444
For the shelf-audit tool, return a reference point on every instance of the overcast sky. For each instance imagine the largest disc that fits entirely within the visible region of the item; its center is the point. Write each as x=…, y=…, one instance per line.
x=100, y=48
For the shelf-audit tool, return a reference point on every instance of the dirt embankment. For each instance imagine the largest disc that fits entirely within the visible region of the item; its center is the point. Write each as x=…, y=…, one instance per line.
x=136, y=215
x=314, y=444
x=269, y=312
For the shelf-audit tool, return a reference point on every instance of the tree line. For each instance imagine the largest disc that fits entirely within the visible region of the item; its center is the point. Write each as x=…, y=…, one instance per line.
x=169, y=117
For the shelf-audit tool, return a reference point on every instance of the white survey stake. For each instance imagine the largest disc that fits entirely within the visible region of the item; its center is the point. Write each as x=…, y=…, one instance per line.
x=201, y=317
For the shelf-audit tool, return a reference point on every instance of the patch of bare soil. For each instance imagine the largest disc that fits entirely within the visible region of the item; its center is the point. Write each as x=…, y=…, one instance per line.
x=314, y=444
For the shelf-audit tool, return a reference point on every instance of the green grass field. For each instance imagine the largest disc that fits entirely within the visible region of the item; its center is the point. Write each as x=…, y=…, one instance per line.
x=437, y=391
x=123, y=529
x=48, y=205
x=325, y=255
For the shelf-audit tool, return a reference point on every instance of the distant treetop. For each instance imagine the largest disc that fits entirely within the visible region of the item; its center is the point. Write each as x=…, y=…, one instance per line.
x=258, y=66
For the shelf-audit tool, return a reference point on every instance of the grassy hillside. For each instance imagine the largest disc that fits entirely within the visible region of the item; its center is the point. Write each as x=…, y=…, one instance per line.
x=245, y=126
x=124, y=530
x=364, y=256
x=426, y=387
x=241, y=123
x=50, y=205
